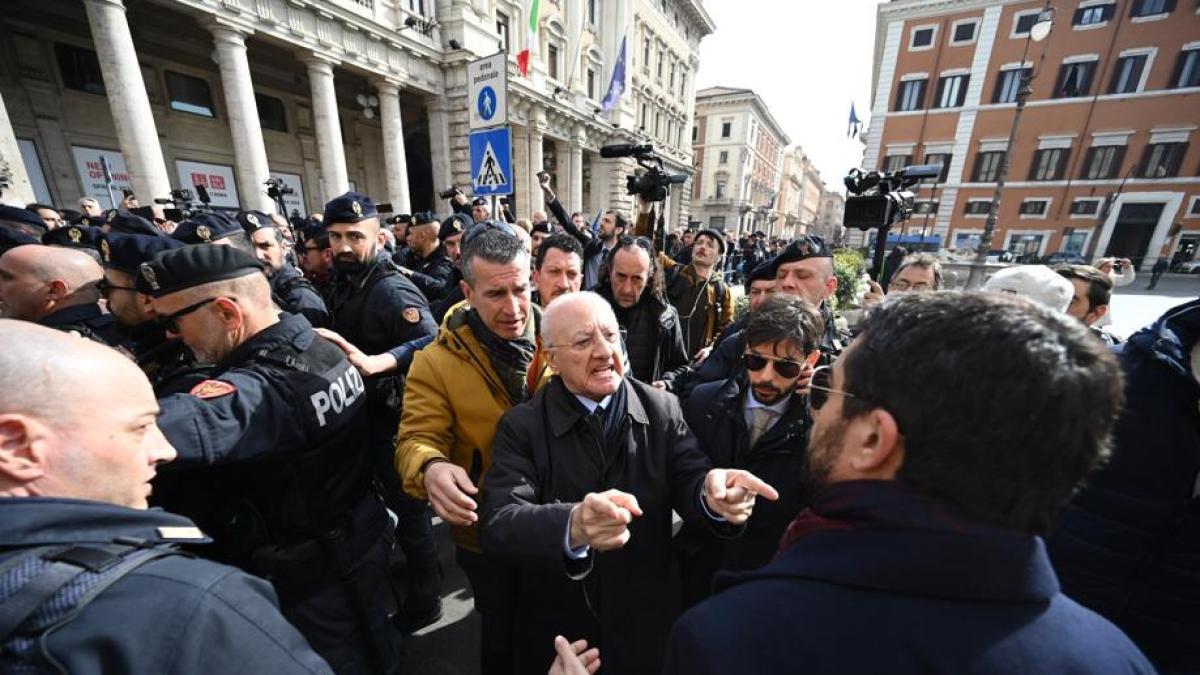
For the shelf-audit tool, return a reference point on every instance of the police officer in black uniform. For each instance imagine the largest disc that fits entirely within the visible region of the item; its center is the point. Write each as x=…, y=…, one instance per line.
x=451, y=234
x=292, y=292
x=168, y=363
x=425, y=262
x=281, y=424
x=376, y=311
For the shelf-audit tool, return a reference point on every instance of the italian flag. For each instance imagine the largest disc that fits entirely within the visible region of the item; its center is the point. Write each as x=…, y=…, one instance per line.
x=531, y=40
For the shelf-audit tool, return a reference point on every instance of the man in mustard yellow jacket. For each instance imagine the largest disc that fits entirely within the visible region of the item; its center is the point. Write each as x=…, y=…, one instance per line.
x=485, y=360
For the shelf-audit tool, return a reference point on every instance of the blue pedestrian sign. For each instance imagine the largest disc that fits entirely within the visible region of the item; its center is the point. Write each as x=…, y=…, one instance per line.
x=487, y=91
x=487, y=103
x=491, y=162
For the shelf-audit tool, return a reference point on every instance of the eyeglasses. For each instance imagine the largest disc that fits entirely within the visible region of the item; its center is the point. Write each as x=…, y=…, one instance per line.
x=170, y=322
x=785, y=368
x=819, y=389
x=481, y=227
x=588, y=343
x=106, y=288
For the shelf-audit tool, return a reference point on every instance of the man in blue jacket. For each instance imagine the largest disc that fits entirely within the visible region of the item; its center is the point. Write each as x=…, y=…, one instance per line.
x=944, y=441
x=1127, y=544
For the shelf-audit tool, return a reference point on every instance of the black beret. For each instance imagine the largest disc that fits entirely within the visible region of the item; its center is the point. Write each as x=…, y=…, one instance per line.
x=205, y=228
x=129, y=223
x=803, y=248
x=126, y=252
x=715, y=236
x=11, y=238
x=763, y=271
x=543, y=227
x=454, y=225
x=181, y=268
x=424, y=217
x=252, y=221
x=313, y=230
x=74, y=236
x=400, y=219
x=351, y=207
x=481, y=201
x=759, y=233
x=16, y=214
x=89, y=221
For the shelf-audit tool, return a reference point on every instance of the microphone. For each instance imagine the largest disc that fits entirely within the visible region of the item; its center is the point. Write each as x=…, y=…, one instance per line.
x=625, y=150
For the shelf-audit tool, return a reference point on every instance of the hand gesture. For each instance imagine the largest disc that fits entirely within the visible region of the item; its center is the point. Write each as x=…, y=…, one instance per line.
x=874, y=295
x=730, y=493
x=804, y=380
x=601, y=520
x=449, y=487
x=702, y=355
x=574, y=658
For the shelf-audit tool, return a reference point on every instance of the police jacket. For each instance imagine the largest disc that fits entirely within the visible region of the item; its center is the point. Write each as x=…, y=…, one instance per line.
x=432, y=275
x=88, y=322
x=168, y=363
x=280, y=428
x=295, y=294
x=653, y=339
x=174, y=615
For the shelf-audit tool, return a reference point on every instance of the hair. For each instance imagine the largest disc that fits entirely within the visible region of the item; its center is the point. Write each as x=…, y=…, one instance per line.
x=241, y=240
x=561, y=241
x=622, y=221
x=655, y=285
x=786, y=318
x=1004, y=405
x=1100, y=285
x=924, y=261
x=493, y=245
x=85, y=200
x=524, y=224
x=35, y=206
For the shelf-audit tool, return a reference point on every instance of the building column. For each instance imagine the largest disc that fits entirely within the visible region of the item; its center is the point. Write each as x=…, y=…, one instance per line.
x=249, y=151
x=562, y=177
x=136, y=132
x=520, y=170
x=535, y=136
x=439, y=145
x=20, y=190
x=575, y=151
x=334, y=180
x=395, y=161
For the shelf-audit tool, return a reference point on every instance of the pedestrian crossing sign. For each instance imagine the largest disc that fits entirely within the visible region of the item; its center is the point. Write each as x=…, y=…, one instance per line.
x=491, y=161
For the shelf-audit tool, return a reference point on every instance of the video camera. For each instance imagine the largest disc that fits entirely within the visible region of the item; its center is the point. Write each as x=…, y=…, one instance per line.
x=880, y=200
x=655, y=184
x=184, y=206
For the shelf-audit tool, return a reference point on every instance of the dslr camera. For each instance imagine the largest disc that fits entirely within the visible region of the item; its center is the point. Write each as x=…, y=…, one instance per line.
x=880, y=200
x=276, y=189
x=654, y=184
x=448, y=193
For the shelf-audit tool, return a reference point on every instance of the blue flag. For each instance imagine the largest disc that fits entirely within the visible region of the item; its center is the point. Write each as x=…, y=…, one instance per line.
x=596, y=222
x=855, y=123
x=617, y=86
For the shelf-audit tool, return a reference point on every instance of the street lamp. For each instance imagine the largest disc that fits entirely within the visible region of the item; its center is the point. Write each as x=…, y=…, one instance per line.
x=1038, y=32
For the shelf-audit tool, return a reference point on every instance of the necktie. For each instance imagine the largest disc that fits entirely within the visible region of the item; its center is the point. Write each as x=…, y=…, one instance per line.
x=761, y=419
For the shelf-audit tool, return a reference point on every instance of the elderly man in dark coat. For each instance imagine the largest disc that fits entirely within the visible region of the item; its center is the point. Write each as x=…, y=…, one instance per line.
x=583, y=480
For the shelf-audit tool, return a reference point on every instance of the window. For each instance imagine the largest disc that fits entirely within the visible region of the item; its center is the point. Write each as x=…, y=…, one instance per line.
x=724, y=157
x=1049, y=164
x=646, y=55
x=643, y=117
x=683, y=85
x=720, y=189
x=1127, y=77
x=923, y=208
x=726, y=129
x=1033, y=207
x=1187, y=69
x=987, y=166
x=658, y=125
x=80, y=68
x=896, y=162
x=502, y=30
x=1103, y=162
x=1162, y=160
x=911, y=95
x=978, y=207
x=591, y=83
x=190, y=94
x=271, y=113
x=716, y=223
x=695, y=133
x=922, y=38
x=671, y=77
x=952, y=91
x=1023, y=22
x=1150, y=7
x=415, y=6
x=661, y=57
x=552, y=61
x=964, y=33
x=1195, y=208
x=1073, y=241
x=1075, y=79
x=1009, y=83
x=591, y=11
x=942, y=158
x=1085, y=207
x=1096, y=14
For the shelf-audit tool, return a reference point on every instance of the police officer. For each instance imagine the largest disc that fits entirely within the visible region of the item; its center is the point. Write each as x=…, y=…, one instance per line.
x=292, y=292
x=425, y=262
x=451, y=234
x=56, y=287
x=314, y=257
x=130, y=223
x=79, y=237
x=278, y=434
x=212, y=228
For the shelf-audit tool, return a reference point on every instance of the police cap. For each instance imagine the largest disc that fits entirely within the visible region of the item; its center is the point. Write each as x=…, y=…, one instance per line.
x=74, y=236
x=424, y=218
x=126, y=252
x=253, y=221
x=89, y=221
x=12, y=238
x=16, y=214
x=130, y=223
x=543, y=227
x=454, y=225
x=352, y=207
x=205, y=228
x=480, y=201
x=803, y=248
x=183, y=268
x=763, y=271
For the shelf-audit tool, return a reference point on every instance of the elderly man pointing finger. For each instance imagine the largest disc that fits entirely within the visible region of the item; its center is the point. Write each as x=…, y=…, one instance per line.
x=583, y=481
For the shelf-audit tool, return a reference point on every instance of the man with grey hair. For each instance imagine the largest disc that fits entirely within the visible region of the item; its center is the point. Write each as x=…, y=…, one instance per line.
x=917, y=273
x=485, y=359
x=73, y=490
x=56, y=287
x=90, y=206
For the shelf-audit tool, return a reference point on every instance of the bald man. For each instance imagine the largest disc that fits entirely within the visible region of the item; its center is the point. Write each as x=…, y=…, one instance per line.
x=56, y=287
x=72, y=482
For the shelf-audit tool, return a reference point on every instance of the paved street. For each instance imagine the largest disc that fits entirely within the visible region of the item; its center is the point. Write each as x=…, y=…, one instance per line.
x=1134, y=307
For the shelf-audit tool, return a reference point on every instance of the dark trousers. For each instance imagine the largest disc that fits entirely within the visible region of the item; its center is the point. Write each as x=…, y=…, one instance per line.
x=1154, y=277
x=494, y=586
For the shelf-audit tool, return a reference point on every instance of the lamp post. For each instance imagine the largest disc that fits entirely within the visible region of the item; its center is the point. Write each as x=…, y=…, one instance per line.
x=1038, y=32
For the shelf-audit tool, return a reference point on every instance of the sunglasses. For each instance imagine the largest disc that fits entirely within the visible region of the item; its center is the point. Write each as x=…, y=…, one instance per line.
x=170, y=322
x=783, y=367
x=106, y=288
x=819, y=389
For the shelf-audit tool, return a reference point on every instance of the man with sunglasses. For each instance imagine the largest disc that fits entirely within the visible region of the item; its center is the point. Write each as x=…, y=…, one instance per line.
x=56, y=287
x=273, y=456
x=754, y=420
x=921, y=550
x=314, y=257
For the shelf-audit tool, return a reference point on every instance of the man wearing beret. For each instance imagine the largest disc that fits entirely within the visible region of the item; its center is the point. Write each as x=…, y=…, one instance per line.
x=79, y=237
x=700, y=294
x=17, y=219
x=281, y=423
x=451, y=235
x=292, y=292
x=131, y=223
x=378, y=318
x=212, y=228
x=425, y=262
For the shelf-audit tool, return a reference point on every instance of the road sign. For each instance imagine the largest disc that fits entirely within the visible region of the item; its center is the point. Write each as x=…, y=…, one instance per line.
x=491, y=162
x=487, y=96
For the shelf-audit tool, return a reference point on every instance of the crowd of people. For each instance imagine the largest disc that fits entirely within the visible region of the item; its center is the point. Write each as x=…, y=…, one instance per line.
x=637, y=476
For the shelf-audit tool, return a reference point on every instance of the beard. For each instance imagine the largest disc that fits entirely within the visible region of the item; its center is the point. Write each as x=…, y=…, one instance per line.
x=348, y=263
x=822, y=453
x=767, y=394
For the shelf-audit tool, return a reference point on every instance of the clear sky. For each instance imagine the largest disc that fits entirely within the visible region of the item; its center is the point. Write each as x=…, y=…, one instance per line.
x=808, y=59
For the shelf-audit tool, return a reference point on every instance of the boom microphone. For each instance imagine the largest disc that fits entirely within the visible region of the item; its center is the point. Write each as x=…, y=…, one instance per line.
x=625, y=150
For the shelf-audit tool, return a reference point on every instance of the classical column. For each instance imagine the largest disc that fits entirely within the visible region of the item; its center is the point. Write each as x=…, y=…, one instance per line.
x=575, y=159
x=439, y=144
x=249, y=151
x=562, y=177
x=136, y=133
x=334, y=180
x=394, y=159
x=20, y=190
x=520, y=170
x=536, y=137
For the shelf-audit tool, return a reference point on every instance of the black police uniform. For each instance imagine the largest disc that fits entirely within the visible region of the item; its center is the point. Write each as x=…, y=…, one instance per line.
x=174, y=614
x=87, y=321
x=431, y=274
x=279, y=434
x=378, y=310
x=296, y=295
